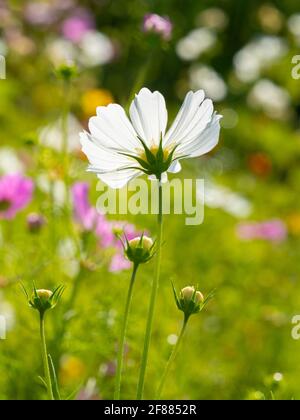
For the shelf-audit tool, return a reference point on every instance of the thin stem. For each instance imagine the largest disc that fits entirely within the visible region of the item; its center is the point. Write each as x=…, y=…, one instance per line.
x=171, y=359
x=123, y=335
x=155, y=285
x=140, y=79
x=45, y=358
x=65, y=125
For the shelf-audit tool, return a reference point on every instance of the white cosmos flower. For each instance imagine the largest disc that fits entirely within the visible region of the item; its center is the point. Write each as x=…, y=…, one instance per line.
x=119, y=149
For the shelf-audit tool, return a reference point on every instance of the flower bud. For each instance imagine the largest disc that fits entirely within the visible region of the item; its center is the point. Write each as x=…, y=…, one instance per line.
x=199, y=298
x=66, y=72
x=35, y=222
x=157, y=24
x=44, y=294
x=140, y=249
x=190, y=301
x=187, y=293
x=43, y=299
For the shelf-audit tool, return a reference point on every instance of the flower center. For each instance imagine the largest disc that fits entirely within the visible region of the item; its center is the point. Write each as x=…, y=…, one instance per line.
x=154, y=150
x=4, y=205
x=153, y=160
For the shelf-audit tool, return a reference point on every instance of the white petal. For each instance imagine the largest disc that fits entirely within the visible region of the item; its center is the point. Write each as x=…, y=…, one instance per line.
x=112, y=128
x=102, y=158
x=195, y=113
x=175, y=167
x=149, y=116
x=113, y=169
x=204, y=142
x=117, y=180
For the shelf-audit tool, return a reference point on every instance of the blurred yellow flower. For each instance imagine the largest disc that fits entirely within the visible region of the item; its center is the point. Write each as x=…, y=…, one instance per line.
x=72, y=369
x=293, y=222
x=94, y=98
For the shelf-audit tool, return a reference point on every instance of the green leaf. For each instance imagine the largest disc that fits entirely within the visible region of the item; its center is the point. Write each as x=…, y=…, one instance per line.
x=176, y=297
x=54, y=379
x=42, y=381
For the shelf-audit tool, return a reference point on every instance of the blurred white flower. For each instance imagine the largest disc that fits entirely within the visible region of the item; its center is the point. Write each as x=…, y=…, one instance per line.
x=196, y=43
x=219, y=197
x=272, y=99
x=51, y=136
x=278, y=377
x=294, y=24
x=9, y=162
x=94, y=48
x=206, y=78
x=8, y=312
x=67, y=251
x=172, y=339
x=3, y=47
x=257, y=56
x=57, y=188
x=61, y=51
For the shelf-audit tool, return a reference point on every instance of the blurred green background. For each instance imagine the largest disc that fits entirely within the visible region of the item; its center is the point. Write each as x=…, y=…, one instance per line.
x=240, y=53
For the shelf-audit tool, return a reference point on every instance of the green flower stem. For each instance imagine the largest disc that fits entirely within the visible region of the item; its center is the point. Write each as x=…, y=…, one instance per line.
x=155, y=285
x=171, y=359
x=45, y=358
x=123, y=335
x=65, y=126
x=141, y=77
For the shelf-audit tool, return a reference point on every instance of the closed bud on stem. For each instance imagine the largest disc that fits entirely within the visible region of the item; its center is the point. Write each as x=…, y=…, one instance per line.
x=190, y=301
x=43, y=299
x=66, y=72
x=140, y=249
x=35, y=222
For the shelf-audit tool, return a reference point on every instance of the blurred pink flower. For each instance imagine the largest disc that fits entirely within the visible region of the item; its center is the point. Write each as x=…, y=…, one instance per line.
x=125, y=229
x=272, y=230
x=47, y=12
x=84, y=213
x=158, y=24
x=15, y=194
x=119, y=263
x=76, y=26
x=105, y=230
x=38, y=13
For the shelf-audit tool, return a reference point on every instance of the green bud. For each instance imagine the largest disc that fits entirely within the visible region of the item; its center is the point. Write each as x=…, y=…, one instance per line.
x=66, y=72
x=43, y=299
x=140, y=249
x=190, y=301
